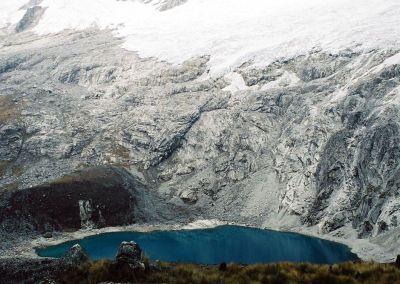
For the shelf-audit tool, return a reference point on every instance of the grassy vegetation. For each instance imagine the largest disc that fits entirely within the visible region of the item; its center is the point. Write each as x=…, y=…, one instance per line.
x=280, y=273
x=15, y=170
x=120, y=152
x=3, y=167
x=86, y=175
x=8, y=109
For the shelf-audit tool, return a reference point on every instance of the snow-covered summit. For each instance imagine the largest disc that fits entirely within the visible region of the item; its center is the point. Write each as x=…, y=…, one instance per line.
x=231, y=31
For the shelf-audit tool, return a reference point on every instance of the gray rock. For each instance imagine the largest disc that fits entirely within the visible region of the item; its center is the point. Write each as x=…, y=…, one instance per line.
x=30, y=19
x=188, y=196
x=11, y=140
x=130, y=253
x=75, y=256
x=48, y=235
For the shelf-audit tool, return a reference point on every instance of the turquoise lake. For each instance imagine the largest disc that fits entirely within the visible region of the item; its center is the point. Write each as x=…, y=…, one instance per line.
x=212, y=246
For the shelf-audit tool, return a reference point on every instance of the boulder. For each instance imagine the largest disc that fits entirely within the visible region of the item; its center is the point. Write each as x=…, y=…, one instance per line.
x=188, y=196
x=222, y=266
x=48, y=235
x=75, y=256
x=130, y=253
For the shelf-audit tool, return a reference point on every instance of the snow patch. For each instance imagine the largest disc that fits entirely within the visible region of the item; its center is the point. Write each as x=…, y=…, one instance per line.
x=393, y=60
x=230, y=31
x=237, y=82
x=10, y=12
x=288, y=79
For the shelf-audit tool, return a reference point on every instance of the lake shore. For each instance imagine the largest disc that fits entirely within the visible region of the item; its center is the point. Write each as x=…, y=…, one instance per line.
x=364, y=249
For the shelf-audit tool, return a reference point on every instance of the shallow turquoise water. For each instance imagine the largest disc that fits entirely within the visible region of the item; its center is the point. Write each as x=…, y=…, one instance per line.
x=213, y=246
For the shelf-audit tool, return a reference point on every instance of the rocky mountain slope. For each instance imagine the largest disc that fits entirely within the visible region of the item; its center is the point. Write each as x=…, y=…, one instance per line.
x=310, y=140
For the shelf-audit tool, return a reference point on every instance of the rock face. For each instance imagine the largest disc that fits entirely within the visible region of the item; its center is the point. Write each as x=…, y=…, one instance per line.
x=30, y=19
x=130, y=253
x=91, y=198
x=305, y=141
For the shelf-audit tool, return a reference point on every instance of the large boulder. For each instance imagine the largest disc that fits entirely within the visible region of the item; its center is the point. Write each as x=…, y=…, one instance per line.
x=131, y=254
x=75, y=256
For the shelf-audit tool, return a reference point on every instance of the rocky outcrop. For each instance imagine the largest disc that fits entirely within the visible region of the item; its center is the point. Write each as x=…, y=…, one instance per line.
x=94, y=197
x=75, y=256
x=129, y=253
x=30, y=19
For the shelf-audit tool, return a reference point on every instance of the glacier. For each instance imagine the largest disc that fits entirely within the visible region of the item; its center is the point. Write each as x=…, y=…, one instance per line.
x=231, y=31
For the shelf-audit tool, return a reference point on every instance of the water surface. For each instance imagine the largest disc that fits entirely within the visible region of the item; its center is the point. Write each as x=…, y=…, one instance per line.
x=213, y=246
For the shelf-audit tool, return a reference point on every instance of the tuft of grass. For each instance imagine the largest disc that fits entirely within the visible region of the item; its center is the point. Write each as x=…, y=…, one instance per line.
x=121, y=152
x=119, y=156
x=278, y=273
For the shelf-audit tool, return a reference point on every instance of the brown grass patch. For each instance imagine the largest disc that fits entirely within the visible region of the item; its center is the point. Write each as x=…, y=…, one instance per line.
x=280, y=273
x=121, y=152
x=9, y=187
x=8, y=109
